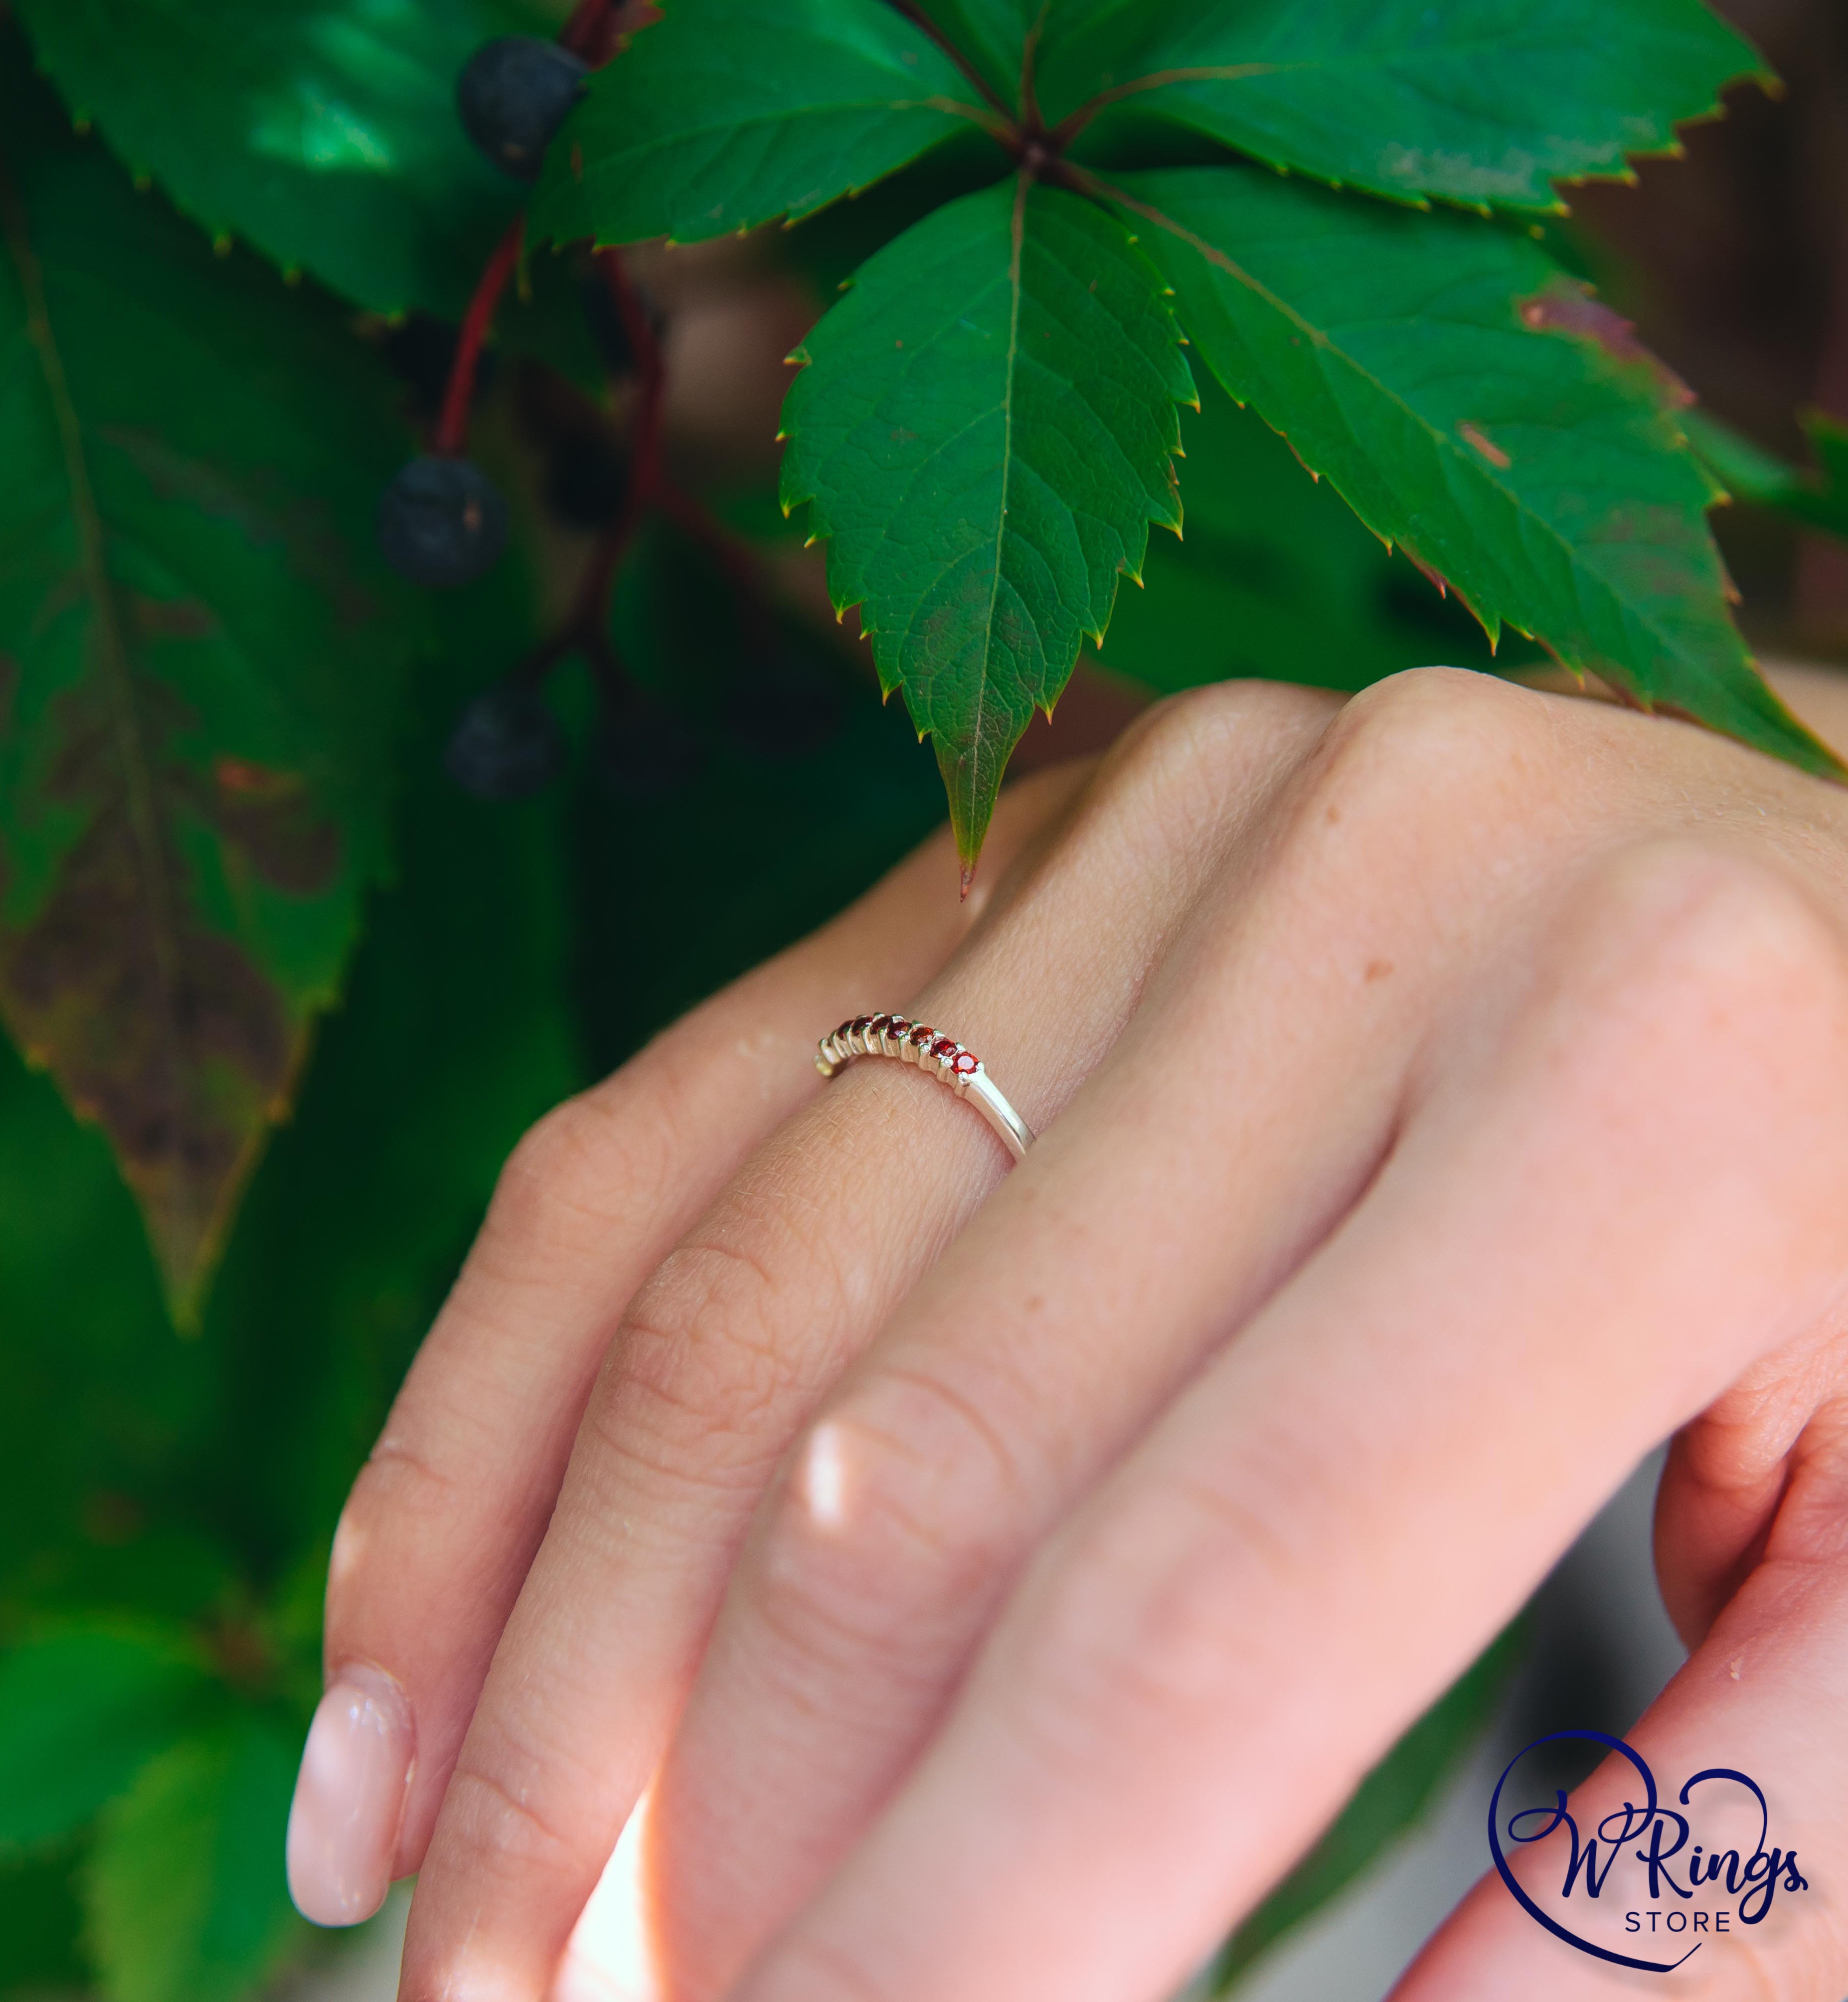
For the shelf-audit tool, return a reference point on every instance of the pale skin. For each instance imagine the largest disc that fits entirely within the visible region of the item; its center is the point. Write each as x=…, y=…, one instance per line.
x=996, y=1579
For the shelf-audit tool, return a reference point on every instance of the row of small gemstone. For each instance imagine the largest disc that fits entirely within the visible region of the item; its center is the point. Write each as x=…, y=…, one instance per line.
x=892, y=1035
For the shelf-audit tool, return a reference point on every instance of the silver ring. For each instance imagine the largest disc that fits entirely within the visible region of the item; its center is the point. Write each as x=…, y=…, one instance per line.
x=936, y=1056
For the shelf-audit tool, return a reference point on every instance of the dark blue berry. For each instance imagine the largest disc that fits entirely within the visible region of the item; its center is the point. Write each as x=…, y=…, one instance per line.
x=508, y=744
x=513, y=94
x=441, y=521
x=645, y=750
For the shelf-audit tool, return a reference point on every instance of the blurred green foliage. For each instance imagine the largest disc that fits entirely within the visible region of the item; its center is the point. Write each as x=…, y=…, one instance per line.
x=168, y=1501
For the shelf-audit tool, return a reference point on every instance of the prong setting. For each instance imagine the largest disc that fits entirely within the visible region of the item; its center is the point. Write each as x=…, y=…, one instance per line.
x=939, y=1056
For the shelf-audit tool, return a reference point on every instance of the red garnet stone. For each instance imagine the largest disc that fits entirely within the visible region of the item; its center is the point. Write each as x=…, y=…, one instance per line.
x=921, y=1037
x=942, y=1048
x=879, y=1024
x=859, y=1025
x=967, y=1064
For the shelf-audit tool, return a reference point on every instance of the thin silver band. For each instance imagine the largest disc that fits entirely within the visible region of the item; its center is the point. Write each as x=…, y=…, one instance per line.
x=936, y=1056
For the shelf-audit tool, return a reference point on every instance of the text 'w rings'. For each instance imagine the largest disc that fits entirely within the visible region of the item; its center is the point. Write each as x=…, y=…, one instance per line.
x=936, y=1056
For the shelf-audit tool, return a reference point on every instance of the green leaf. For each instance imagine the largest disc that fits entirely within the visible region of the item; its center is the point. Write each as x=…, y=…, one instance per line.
x=184, y=1890
x=1389, y=1802
x=1476, y=101
x=726, y=113
x=991, y=36
x=203, y=676
x=40, y=1928
x=983, y=430
x=1482, y=411
x=83, y=1708
x=713, y=898
x=1018, y=46
x=457, y=1032
x=1818, y=500
x=826, y=248
x=1277, y=578
x=165, y=1571
x=323, y=132
x=1821, y=499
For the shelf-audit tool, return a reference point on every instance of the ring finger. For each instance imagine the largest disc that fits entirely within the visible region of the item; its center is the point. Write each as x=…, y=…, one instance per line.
x=716, y=1363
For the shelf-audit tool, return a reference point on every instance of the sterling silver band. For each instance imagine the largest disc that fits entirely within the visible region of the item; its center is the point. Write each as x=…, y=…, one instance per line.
x=936, y=1056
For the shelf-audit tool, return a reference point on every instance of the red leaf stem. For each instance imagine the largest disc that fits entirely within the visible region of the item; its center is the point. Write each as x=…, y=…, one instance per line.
x=592, y=31
x=695, y=521
x=451, y=433
x=590, y=610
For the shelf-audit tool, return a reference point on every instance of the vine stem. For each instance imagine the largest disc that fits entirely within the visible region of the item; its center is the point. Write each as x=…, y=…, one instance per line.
x=644, y=465
x=452, y=432
x=922, y=22
x=696, y=521
x=592, y=31
x=650, y=491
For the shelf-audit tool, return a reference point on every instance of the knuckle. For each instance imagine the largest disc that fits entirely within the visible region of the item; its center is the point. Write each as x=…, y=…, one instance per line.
x=1713, y=953
x=1215, y=719
x=1181, y=781
x=1421, y=701
x=495, y=1817
x=1149, y=1621
x=717, y=1344
x=400, y=1482
x=1808, y=1532
x=1433, y=741
x=587, y=1163
x=553, y=1151
x=1199, y=749
x=898, y=1519
x=819, y=1970
x=1691, y=1005
x=1417, y=812
x=1741, y=1439
x=1787, y=1969
x=400, y=1496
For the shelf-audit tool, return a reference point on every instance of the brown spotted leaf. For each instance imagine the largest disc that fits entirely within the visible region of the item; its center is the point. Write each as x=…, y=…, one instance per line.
x=198, y=681
x=1476, y=407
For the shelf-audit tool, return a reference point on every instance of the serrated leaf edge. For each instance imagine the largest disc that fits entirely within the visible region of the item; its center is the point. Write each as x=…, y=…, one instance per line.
x=1624, y=174
x=1817, y=756
x=789, y=499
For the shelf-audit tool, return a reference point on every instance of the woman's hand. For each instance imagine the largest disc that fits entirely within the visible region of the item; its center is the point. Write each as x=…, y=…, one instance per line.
x=1001, y=1577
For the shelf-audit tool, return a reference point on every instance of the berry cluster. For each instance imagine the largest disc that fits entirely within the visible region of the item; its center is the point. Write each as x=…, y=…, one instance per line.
x=442, y=523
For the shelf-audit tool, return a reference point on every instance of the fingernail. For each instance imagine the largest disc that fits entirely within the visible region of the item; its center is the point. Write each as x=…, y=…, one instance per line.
x=350, y=1799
